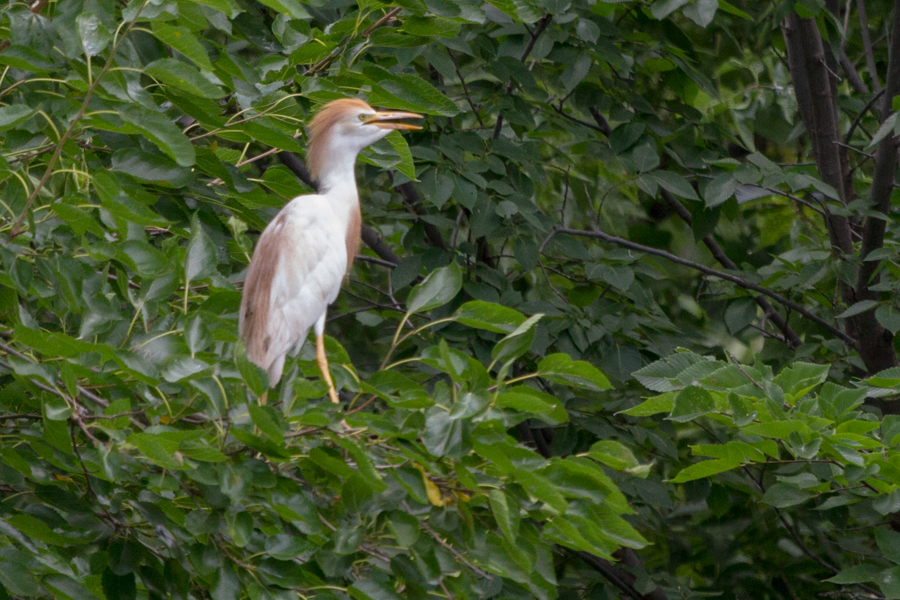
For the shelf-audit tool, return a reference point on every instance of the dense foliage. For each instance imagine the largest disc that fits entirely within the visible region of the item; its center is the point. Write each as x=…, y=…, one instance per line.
x=623, y=323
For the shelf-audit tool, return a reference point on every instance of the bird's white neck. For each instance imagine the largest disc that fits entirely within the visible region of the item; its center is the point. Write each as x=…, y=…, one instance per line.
x=337, y=183
x=339, y=175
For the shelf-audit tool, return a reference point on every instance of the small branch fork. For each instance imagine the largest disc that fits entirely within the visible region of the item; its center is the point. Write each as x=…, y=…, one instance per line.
x=535, y=34
x=330, y=58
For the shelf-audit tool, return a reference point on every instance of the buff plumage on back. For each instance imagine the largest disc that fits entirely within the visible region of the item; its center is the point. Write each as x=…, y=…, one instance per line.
x=317, y=151
x=255, y=301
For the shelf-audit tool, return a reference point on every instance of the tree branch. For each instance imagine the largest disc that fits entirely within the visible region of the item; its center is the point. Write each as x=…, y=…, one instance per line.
x=413, y=201
x=369, y=237
x=790, y=336
x=535, y=34
x=619, y=577
x=714, y=273
x=876, y=343
x=867, y=44
x=378, y=246
x=602, y=123
x=811, y=79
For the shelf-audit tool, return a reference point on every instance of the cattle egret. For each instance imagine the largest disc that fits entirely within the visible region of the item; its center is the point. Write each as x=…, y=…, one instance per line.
x=305, y=252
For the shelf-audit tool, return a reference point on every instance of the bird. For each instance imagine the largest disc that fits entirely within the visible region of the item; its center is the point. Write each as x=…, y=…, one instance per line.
x=305, y=252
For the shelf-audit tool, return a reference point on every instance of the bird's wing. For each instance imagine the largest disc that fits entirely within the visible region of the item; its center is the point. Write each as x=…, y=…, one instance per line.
x=295, y=273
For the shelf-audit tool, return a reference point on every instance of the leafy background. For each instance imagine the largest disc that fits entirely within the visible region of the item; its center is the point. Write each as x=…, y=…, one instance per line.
x=622, y=325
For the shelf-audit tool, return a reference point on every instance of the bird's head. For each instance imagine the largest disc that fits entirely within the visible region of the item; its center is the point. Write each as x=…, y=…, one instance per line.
x=344, y=127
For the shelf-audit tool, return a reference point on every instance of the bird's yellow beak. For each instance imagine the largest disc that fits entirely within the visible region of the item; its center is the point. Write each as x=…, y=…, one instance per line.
x=388, y=120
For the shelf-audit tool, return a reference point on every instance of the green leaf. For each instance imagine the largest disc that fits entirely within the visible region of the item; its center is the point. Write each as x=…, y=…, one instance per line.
x=889, y=543
x=164, y=133
x=645, y=157
x=25, y=58
x=182, y=40
x=516, y=343
x=506, y=513
x=719, y=189
x=152, y=447
x=264, y=418
x=889, y=317
x=706, y=468
x=80, y=220
x=560, y=368
x=67, y=587
x=663, y=8
x=692, y=402
x=783, y=495
x=438, y=288
x=653, y=406
x=661, y=376
x=16, y=577
x=262, y=130
x=781, y=430
x=443, y=435
x=398, y=143
x=183, y=77
x=94, y=35
x=528, y=400
x=489, y=316
x=288, y=7
x=889, y=583
x=702, y=12
x=406, y=528
x=624, y=136
x=613, y=454
x=732, y=10
x=368, y=589
x=857, y=308
x=431, y=26
x=864, y=573
x=150, y=168
x=14, y=115
x=886, y=128
x=406, y=92
x=200, y=259
x=675, y=184
x=35, y=529
x=256, y=378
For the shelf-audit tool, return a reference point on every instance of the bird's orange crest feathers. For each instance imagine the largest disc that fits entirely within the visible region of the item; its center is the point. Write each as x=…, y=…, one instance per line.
x=319, y=127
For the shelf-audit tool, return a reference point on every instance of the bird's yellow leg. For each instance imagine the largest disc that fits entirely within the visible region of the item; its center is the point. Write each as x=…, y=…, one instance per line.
x=323, y=367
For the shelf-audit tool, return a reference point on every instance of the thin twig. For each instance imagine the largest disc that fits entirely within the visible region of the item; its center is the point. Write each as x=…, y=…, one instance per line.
x=535, y=34
x=861, y=115
x=16, y=229
x=465, y=88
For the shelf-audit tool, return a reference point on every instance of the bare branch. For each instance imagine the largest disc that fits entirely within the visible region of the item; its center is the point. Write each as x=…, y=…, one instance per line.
x=378, y=246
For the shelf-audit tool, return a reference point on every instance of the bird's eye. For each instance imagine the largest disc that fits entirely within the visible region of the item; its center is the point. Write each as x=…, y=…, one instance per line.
x=362, y=117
